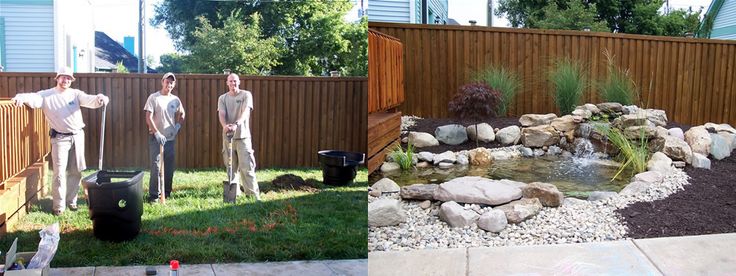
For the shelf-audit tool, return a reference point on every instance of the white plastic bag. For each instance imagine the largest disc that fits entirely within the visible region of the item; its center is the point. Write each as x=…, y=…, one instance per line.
x=47, y=247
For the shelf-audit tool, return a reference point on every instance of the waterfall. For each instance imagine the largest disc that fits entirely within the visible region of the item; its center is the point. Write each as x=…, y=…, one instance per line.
x=583, y=152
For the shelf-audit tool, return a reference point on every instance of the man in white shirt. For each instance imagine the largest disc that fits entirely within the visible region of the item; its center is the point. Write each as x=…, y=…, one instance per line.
x=164, y=115
x=233, y=108
x=61, y=105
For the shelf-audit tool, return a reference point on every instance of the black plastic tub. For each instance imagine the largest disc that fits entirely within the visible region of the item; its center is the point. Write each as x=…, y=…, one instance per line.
x=339, y=167
x=115, y=204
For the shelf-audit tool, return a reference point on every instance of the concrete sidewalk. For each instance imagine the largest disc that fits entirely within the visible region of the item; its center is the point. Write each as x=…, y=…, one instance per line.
x=299, y=268
x=690, y=255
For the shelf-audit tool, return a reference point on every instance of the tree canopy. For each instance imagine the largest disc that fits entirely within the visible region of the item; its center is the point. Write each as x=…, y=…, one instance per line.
x=623, y=16
x=311, y=36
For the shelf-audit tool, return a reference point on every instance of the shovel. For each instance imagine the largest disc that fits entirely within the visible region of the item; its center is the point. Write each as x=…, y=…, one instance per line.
x=161, y=192
x=230, y=186
x=102, y=147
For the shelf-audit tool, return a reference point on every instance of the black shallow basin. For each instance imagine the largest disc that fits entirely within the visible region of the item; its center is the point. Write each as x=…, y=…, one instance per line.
x=339, y=167
x=115, y=204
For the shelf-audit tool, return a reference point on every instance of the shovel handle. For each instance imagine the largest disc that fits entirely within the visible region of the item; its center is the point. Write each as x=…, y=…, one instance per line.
x=161, y=186
x=102, y=136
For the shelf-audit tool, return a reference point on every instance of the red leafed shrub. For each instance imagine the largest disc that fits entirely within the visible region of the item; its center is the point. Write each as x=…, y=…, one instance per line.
x=475, y=101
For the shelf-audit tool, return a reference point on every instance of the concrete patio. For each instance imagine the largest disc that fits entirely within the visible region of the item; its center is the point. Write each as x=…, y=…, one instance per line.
x=690, y=255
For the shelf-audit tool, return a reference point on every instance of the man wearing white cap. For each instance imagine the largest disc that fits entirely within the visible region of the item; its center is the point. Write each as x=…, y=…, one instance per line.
x=61, y=105
x=164, y=115
x=234, y=107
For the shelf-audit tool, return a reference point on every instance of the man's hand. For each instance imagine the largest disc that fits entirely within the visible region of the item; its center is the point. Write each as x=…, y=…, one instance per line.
x=177, y=127
x=102, y=99
x=17, y=101
x=160, y=138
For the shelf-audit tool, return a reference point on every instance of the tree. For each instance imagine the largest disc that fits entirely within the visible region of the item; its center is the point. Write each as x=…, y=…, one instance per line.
x=627, y=16
x=575, y=17
x=235, y=46
x=312, y=35
x=173, y=62
x=355, y=59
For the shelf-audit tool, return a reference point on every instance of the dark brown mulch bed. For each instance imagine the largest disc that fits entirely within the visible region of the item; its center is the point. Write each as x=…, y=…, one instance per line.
x=706, y=206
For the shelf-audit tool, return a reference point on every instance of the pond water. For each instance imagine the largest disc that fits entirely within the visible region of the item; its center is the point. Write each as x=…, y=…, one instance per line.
x=574, y=176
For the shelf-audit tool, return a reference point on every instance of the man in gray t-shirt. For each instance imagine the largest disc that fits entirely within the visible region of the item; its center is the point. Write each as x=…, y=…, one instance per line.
x=233, y=108
x=61, y=106
x=164, y=114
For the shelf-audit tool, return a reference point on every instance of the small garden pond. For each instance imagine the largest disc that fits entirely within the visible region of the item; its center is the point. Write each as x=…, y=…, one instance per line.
x=574, y=176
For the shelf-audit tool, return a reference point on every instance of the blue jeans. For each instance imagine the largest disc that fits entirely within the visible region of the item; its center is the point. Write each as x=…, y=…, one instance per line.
x=154, y=154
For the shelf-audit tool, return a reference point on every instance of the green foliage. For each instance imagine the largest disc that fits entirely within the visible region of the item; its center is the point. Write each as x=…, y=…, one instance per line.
x=173, y=62
x=312, y=36
x=569, y=81
x=235, y=45
x=405, y=159
x=618, y=85
x=194, y=226
x=504, y=81
x=120, y=68
x=633, y=155
x=575, y=17
x=632, y=16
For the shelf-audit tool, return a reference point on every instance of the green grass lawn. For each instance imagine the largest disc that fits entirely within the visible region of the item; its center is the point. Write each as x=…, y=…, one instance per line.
x=195, y=226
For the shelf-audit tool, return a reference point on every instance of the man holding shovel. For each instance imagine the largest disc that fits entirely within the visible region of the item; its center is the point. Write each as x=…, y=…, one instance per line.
x=164, y=115
x=61, y=106
x=234, y=109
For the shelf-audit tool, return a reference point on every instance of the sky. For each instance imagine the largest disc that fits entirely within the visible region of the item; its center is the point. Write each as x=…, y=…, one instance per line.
x=465, y=10
x=119, y=18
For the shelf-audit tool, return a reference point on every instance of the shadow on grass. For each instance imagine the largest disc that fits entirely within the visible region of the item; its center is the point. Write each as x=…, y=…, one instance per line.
x=195, y=226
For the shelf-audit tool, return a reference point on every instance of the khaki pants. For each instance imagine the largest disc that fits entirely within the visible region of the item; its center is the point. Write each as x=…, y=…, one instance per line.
x=67, y=172
x=245, y=173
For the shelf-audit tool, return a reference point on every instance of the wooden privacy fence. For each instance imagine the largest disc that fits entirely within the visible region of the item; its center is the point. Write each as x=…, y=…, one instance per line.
x=293, y=117
x=692, y=79
x=23, y=139
x=24, y=144
x=385, y=93
x=385, y=71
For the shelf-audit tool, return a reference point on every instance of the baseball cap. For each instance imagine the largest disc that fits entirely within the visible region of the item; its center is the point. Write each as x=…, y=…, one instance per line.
x=169, y=74
x=65, y=71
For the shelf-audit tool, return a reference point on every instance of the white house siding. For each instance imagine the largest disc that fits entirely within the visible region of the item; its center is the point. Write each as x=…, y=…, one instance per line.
x=396, y=11
x=75, y=28
x=440, y=8
x=724, y=26
x=29, y=37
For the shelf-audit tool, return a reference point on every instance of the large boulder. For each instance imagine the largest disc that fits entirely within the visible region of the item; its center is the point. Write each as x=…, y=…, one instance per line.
x=425, y=156
x=385, y=212
x=677, y=149
x=479, y=157
x=547, y=193
x=493, y=221
x=478, y=190
x=659, y=162
x=485, y=133
x=719, y=148
x=445, y=157
x=539, y=136
x=610, y=108
x=635, y=188
x=509, y=135
x=386, y=185
x=419, y=191
x=635, y=132
x=566, y=123
x=699, y=140
x=457, y=216
x=649, y=177
x=718, y=128
x=656, y=116
x=528, y=120
x=451, y=134
x=520, y=210
x=676, y=132
x=700, y=161
x=422, y=139
x=388, y=167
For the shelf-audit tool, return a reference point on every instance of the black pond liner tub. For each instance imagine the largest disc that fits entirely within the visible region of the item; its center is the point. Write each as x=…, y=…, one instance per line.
x=115, y=202
x=339, y=167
